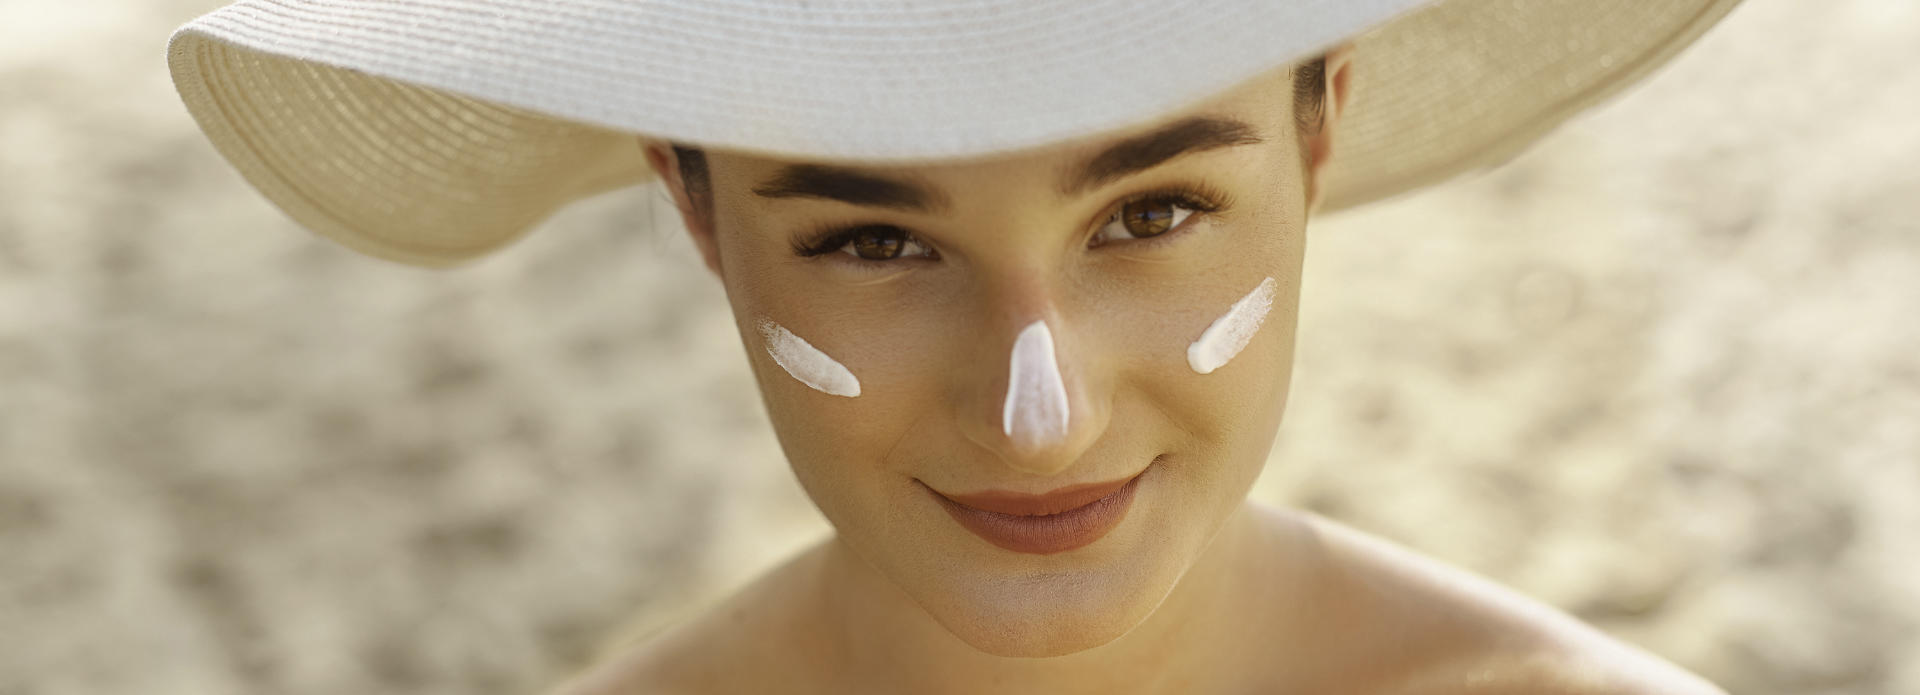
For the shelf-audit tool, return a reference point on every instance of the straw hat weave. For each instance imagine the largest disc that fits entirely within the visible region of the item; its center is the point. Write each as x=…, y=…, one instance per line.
x=432, y=132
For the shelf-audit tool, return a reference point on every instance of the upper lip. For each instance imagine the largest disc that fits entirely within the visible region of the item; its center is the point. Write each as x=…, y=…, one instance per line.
x=1025, y=504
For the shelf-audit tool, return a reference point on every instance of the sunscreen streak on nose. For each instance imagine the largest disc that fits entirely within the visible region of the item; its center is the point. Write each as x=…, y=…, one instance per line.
x=1230, y=333
x=1036, y=408
x=807, y=363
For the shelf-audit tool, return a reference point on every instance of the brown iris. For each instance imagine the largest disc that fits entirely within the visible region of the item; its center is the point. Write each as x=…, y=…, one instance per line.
x=1146, y=218
x=878, y=243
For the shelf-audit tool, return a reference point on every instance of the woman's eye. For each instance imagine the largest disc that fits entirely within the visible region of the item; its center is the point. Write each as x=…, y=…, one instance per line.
x=871, y=243
x=1142, y=219
x=877, y=244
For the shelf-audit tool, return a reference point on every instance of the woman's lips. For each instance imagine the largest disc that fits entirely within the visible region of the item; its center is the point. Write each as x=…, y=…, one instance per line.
x=1056, y=522
x=1023, y=504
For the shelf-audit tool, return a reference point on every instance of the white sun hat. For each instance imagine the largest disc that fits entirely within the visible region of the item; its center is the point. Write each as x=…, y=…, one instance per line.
x=432, y=132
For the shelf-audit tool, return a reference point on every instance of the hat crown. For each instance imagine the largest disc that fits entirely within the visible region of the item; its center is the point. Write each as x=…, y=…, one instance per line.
x=433, y=131
x=830, y=79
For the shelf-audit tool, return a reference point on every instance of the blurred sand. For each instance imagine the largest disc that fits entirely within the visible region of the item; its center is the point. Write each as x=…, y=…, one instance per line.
x=1663, y=371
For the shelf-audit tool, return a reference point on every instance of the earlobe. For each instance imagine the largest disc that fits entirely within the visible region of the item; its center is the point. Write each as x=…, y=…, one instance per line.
x=666, y=165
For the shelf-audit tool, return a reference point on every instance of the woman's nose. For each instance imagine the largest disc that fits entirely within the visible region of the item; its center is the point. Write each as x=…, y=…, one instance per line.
x=1035, y=413
x=1034, y=404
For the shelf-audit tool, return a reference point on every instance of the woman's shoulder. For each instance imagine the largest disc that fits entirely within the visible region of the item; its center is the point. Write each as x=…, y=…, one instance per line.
x=701, y=652
x=1384, y=619
x=1427, y=628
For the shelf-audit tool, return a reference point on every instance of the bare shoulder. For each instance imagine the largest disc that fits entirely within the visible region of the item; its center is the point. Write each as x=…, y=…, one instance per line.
x=721, y=648
x=1550, y=671
x=646, y=667
x=1421, y=627
x=677, y=660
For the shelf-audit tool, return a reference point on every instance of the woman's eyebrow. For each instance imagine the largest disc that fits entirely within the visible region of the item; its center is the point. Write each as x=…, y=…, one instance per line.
x=1127, y=157
x=1143, y=152
x=851, y=186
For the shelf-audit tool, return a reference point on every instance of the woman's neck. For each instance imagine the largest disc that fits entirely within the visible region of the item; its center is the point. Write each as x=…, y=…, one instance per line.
x=1212, y=630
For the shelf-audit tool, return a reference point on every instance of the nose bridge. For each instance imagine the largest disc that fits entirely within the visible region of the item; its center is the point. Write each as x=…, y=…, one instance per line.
x=1034, y=400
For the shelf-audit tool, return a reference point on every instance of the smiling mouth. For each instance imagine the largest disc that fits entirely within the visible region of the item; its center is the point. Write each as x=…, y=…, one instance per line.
x=1056, y=522
x=1023, y=504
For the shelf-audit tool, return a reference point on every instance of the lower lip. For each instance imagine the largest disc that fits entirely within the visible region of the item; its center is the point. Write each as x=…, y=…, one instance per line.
x=1049, y=534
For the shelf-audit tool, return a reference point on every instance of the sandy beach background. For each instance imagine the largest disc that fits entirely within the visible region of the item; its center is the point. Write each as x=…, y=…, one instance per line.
x=1662, y=371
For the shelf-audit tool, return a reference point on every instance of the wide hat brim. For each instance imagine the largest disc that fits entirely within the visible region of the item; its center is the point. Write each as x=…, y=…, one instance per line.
x=432, y=132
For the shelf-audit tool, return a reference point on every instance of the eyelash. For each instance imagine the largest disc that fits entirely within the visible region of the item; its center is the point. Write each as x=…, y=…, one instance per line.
x=831, y=238
x=1201, y=198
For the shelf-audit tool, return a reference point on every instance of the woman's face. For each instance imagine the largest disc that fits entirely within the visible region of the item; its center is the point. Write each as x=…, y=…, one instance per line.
x=915, y=283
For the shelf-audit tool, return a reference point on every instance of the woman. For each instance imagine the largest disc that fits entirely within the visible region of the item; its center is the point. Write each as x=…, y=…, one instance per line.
x=1021, y=307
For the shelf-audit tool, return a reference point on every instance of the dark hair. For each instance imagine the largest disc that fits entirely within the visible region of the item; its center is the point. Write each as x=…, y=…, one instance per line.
x=1309, y=111
x=1309, y=96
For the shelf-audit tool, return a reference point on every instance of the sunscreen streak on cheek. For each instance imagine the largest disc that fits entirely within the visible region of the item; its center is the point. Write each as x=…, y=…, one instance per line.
x=1036, y=409
x=807, y=363
x=1230, y=333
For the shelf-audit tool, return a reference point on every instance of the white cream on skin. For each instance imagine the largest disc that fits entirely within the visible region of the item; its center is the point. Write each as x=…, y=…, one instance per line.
x=1036, y=410
x=1230, y=333
x=807, y=363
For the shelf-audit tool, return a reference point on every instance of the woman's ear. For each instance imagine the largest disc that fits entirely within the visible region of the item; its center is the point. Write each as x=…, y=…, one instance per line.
x=695, y=215
x=1339, y=69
